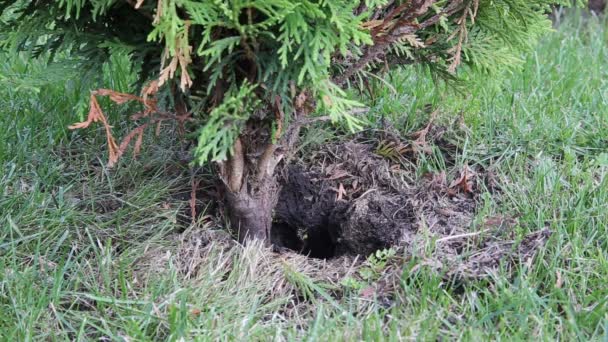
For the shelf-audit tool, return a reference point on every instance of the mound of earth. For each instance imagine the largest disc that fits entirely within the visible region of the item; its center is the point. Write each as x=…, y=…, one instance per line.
x=348, y=199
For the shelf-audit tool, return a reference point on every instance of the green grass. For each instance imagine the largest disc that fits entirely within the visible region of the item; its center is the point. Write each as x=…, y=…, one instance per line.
x=72, y=233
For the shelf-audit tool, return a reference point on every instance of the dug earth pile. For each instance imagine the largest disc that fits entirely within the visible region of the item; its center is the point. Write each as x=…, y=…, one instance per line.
x=357, y=197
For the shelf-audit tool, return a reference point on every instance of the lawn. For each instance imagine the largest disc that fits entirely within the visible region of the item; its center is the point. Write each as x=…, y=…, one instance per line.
x=91, y=253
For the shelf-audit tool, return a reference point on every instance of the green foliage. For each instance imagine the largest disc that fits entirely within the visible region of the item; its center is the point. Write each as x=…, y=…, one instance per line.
x=281, y=47
x=225, y=122
x=87, y=29
x=372, y=270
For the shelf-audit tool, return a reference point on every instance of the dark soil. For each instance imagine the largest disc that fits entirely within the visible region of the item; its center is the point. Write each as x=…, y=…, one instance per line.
x=597, y=6
x=348, y=199
x=347, y=206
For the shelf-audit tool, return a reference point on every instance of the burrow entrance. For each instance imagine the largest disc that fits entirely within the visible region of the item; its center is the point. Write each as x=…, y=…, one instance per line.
x=348, y=199
x=318, y=243
x=349, y=204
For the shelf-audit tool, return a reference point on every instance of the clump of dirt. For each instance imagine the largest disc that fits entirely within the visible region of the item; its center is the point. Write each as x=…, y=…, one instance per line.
x=343, y=200
x=597, y=6
x=375, y=221
x=351, y=200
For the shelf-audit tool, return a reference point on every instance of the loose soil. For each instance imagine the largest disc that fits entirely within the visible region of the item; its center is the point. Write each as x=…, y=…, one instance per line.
x=360, y=196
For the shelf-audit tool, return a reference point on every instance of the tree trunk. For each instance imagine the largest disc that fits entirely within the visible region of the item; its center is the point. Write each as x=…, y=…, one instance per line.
x=250, y=212
x=250, y=179
x=252, y=190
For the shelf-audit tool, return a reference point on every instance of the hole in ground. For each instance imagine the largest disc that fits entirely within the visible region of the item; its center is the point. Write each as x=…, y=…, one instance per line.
x=319, y=242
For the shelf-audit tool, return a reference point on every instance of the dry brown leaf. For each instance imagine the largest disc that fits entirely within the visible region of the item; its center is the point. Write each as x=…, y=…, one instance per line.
x=139, y=132
x=96, y=115
x=301, y=100
x=372, y=24
x=421, y=144
x=466, y=180
x=138, y=115
x=440, y=179
x=337, y=174
x=159, y=12
x=167, y=72
x=413, y=40
x=138, y=142
x=341, y=192
x=126, y=140
x=430, y=40
x=121, y=98
x=112, y=148
x=148, y=92
x=83, y=124
x=117, y=97
x=181, y=58
x=182, y=115
x=462, y=33
x=185, y=81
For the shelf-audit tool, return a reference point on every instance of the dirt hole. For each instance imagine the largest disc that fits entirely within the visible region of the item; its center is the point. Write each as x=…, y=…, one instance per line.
x=341, y=201
x=319, y=243
x=358, y=197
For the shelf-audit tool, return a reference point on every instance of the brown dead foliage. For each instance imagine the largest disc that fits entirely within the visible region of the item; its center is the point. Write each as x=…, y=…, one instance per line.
x=96, y=115
x=151, y=112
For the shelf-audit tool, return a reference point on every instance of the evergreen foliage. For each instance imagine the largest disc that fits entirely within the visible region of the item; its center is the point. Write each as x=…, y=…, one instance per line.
x=248, y=59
